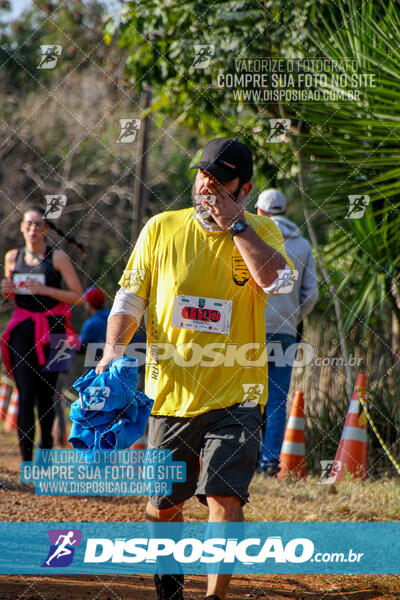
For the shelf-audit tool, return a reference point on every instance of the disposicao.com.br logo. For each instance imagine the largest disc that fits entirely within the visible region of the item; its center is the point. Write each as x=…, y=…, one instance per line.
x=247, y=551
x=201, y=548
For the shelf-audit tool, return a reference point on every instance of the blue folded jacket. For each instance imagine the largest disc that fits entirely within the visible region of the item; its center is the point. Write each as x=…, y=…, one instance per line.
x=119, y=436
x=110, y=413
x=118, y=383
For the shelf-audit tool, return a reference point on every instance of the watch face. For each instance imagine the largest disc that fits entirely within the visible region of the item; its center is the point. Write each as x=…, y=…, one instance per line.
x=239, y=226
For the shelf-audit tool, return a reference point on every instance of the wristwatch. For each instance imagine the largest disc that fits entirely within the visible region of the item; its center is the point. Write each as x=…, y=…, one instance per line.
x=237, y=227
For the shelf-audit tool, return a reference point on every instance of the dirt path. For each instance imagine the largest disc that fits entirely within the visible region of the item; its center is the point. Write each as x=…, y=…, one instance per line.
x=18, y=503
x=274, y=587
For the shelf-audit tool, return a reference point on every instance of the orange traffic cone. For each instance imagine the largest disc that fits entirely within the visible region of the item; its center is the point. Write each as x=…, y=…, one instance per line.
x=351, y=455
x=12, y=413
x=292, y=459
x=5, y=393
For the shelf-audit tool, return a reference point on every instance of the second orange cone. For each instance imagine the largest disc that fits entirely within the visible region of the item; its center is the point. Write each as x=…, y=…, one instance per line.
x=352, y=450
x=292, y=459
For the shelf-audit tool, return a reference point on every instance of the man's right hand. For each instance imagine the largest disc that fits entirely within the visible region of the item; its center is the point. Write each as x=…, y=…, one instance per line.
x=102, y=365
x=110, y=352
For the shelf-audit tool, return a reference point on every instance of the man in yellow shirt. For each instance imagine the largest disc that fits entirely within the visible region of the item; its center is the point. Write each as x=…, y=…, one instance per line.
x=204, y=273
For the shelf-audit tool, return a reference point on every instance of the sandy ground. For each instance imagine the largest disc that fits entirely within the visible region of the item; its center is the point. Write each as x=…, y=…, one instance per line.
x=18, y=503
x=273, y=587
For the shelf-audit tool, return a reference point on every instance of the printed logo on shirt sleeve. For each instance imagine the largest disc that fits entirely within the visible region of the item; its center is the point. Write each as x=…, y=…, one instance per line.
x=132, y=279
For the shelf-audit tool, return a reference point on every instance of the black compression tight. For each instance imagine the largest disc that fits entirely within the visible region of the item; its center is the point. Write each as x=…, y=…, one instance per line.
x=35, y=387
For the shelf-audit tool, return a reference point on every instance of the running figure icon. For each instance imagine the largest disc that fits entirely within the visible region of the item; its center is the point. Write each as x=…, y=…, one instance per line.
x=62, y=353
x=62, y=550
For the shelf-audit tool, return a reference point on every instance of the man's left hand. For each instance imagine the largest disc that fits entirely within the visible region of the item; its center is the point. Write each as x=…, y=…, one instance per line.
x=226, y=210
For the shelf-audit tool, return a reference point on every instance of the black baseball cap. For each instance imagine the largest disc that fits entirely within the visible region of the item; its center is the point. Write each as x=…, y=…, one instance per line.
x=220, y=151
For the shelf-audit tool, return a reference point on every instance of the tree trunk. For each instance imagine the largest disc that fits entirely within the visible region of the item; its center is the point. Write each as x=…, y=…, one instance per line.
x=140, y=189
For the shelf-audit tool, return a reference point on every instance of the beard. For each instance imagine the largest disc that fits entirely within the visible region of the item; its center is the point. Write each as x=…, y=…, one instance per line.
x=202, y=214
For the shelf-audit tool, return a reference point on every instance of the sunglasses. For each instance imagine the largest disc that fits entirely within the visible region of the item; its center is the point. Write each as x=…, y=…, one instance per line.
x=39, y=224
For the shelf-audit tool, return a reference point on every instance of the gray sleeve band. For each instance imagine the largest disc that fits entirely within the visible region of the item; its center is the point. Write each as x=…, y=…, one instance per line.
x=127, y=303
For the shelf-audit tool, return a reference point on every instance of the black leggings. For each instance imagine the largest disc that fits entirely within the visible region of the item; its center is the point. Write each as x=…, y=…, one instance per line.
x=34, y=387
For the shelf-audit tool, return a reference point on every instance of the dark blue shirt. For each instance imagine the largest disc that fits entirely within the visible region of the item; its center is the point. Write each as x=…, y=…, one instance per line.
x=94, y=329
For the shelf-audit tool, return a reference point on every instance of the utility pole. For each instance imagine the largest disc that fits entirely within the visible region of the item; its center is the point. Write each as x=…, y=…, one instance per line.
x=140, y=190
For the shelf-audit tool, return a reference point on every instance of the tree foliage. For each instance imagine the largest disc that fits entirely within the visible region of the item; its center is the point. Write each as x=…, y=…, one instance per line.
x=352, y=148
x=161, y=38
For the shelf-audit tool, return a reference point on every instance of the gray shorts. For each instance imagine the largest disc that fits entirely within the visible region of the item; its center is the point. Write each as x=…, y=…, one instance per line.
x=226, y=439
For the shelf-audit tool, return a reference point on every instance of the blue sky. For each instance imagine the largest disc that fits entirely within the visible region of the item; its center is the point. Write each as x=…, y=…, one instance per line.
x=19, y=5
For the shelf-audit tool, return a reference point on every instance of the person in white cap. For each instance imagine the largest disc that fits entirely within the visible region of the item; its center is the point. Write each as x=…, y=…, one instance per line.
x=282, y=315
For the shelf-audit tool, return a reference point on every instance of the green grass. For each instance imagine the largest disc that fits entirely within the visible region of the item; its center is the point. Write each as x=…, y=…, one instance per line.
x=307, y=500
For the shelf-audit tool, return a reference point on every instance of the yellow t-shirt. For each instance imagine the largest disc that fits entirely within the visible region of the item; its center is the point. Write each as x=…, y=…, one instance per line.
x=206, y=330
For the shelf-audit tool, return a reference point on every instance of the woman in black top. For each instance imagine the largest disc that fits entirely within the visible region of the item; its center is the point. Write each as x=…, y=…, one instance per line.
x=33, y=276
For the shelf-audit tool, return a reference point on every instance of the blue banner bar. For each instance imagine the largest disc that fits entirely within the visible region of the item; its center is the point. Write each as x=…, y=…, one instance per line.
x=200, y=548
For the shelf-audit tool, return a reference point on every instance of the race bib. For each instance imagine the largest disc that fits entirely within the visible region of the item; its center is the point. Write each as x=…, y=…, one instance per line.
x=20, y=279
x=202, y=314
